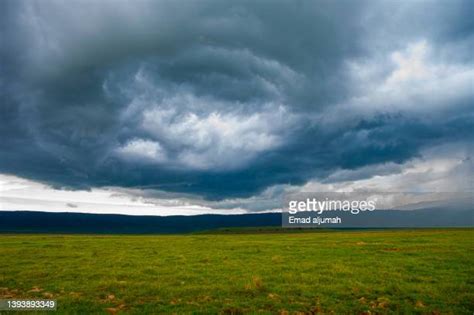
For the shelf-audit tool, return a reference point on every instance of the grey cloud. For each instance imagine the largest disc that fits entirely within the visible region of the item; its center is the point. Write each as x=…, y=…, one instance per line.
x=220, y=100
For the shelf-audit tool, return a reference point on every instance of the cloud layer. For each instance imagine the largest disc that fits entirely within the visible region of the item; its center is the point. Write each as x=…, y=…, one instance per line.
x=227, y=101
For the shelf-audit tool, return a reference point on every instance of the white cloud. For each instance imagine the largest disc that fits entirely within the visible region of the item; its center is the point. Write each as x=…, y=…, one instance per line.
x=216, y=140
x=418, y=81
x=199, y=132
x=142, y=150
x=439, y=169
x=21, y=194
x=410, y=64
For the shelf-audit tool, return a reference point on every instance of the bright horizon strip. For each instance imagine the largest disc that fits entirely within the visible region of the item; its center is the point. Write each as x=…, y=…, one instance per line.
x=18, y=194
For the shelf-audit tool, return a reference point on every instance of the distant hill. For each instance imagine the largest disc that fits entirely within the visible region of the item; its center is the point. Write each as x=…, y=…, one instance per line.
x=49, y=222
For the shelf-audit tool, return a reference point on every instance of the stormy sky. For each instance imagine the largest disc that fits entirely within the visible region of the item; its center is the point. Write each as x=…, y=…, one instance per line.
x=186, y=107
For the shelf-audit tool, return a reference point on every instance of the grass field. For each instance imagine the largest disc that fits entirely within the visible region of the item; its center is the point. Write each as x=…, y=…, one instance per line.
x=368, y=272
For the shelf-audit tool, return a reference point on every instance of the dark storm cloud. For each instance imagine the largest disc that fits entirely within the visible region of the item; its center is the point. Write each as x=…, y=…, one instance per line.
x=225, y=100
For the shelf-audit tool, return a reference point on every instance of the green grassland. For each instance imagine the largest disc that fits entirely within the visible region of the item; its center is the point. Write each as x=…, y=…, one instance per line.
x=332, y=272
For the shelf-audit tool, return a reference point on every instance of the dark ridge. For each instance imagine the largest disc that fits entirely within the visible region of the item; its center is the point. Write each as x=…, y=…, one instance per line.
x=49, y=222
x=65, y=222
